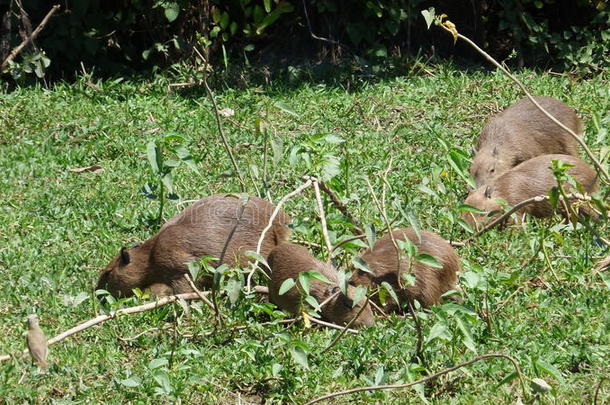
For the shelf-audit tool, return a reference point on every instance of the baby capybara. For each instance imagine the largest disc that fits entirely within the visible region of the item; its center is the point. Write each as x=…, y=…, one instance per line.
x=522, y=132
x=527, y=180
x=287, y=261
x=203, y=229
x=430, y=282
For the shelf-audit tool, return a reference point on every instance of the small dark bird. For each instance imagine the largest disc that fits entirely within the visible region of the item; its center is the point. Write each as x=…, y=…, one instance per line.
x=37, y=342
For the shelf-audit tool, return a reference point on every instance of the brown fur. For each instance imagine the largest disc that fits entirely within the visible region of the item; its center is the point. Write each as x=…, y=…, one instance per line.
x=430, y=283
x=200, y=230
x=522, y=132
x=287, y=261
x=527, y=180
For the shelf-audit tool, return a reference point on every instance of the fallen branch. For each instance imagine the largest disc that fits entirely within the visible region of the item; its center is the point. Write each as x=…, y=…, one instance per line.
x=333, y=326
x=341, y=207
x=323, y=225
x=123, y=311
x=29, y=39
x=425, y=379
x=298, y=190
x=517, y=207
x=450, y=27
x=346, y=240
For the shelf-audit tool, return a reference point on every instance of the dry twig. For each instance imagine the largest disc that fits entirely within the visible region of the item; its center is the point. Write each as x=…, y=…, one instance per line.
x=341, y=207
x=329, y=246
x=29, y=39
x=425, y=379
x=298, y=190
x=350, y=323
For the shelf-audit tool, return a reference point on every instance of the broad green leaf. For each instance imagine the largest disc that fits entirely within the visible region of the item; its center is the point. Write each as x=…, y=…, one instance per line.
x=467, y=340
x=428, y=16
x=284, y=107
x=318, y=276
x=299, y=356
x=549, y=369
x=408, y=247
x=313, y=302
x=156, y=363
x=387, y=287
x=253, y=255
x=305, y=282
x=267, y=4
x=428, y=260
x=359, y=295
x=286, y=286
x=224, y=20
x=470, y=208
x=130, y=382
x=233, y=289
x=152, y=151
x=439, y=330
x=369, y=230
x=162, y=379
x=414, y=222
x=507, y=379
x=360, y=264
x=172, y=9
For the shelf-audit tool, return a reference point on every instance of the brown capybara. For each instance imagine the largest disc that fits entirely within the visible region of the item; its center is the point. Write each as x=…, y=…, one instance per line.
x=430, y=282
x=206, y=228
x=520, y=133
x=287, y=261
x=527, y=180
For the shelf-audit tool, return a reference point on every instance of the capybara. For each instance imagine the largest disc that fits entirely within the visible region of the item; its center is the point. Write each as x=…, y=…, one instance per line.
x=287, y=261
x=430, y=282
x=203, y=229
x=522, y=132
x=527, y=180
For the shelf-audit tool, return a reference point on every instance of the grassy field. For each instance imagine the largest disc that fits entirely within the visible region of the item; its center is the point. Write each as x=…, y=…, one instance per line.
x=58, y=228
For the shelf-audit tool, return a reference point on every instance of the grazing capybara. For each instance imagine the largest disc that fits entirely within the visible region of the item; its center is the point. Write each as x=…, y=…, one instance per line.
x=520, y=133
x=527, y=180
x=430, y=282
x=206, y=228
x=287, y=261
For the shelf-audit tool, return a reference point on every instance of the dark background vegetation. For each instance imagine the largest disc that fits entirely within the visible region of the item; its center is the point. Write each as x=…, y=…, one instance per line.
x=119, y=37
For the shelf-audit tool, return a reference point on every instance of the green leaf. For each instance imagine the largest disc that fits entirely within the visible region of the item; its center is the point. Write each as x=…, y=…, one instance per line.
x=172, y=9
x=162, y=379
x=130, y=382
x=156, y=363
x=152, y=151
x=286, y=285
x=429, y=260
x=343, y=279
x=386, y=286
x=267, y=4
x=233, y=289
x=439, y=330
x=470, y=208
x=216, y=15
x=554, y=197
x=428, y=16
x=414, y=222
x=299, y=355
x=284, y=107
x=408, y=247
x=305, y=282
x=467, y=340
x=253, y=255
x=224, y=20
x=507, y=379
x=359, y=295
x=360, y=264
x=540, y=386
x=549, y=369
x=369, y=230
x=313, y=302
x=318, y=276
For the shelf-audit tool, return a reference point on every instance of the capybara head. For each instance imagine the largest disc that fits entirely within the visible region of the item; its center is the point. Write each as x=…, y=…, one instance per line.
x=522, y=132
x=430, y=282
x=220, y=226
x=288, y=261
x=481, y=198
x=128, y=270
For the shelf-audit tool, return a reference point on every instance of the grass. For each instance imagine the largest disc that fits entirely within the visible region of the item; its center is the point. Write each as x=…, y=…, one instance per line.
x=58, y=228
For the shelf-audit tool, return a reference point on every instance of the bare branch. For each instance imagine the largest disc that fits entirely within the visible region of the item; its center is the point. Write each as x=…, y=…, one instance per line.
x=425, y=379
x=329, y=246
x=341, y=207
x=298, y=190
x=336, y=339
x=29, y=39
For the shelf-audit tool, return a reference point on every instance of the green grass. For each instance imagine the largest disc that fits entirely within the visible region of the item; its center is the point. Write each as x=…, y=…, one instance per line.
x=58, y=228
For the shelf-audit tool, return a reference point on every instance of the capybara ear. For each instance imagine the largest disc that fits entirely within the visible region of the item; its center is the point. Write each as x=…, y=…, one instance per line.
x=125, y=259
x=488, y=191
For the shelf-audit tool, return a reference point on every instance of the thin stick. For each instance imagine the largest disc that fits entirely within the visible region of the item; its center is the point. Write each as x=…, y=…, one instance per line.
x=332, y=325
x=548, y=261
x=341, y=207
x=597, y=389
x=259, y=244
x=388, y=225
x=346, y=240
x=424, y=379
x=529, y=96
x=314, y=36
x=340, y=334
x=218, y=122
x=516, y=207
x=29, y=39
x=329, y=246
x=124, y=311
